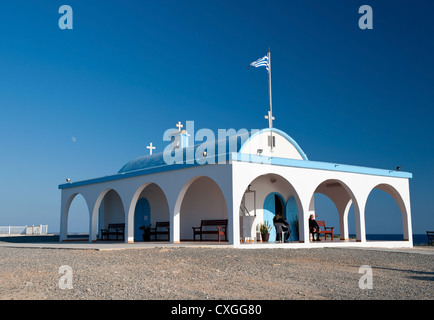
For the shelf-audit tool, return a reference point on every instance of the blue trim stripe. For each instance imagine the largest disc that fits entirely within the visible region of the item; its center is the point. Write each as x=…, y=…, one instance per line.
x=319, y=165
x=248, y=158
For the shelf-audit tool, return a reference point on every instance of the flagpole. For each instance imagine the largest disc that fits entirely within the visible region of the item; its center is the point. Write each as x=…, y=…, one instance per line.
x=269, y=90
x=266, y=62
x=270, y=113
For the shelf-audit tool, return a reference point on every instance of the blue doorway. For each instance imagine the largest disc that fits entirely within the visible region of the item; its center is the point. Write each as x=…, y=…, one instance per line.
x=142, y=216
x=292, y=217
x=274, y=204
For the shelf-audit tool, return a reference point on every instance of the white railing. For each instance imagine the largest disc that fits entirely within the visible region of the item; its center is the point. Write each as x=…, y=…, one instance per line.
x=29, y=230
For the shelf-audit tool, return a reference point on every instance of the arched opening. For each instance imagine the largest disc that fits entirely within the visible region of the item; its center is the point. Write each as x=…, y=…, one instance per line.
x=274, y=205
x=265, y=196
x=325, y=210
x=332, y=202
x=203, y=199
x=110, y=211
x=151, y=207
x=78, y=218
x=384, y=214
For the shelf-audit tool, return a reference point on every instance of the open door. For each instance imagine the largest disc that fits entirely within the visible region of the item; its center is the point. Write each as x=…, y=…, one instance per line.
x=273, y=204
x=292, y=217
x=142, y=216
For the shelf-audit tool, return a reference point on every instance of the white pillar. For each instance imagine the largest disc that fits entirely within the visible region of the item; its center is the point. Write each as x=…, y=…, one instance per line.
x=360, y=221
x=405, y=208
x=233, y=203
x=343, y=221
x=175, y=225
x=174, y=201
x=93, y=225
x=406, y=224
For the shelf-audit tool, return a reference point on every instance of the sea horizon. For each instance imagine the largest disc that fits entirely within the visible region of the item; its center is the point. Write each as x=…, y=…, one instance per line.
x=418, y=238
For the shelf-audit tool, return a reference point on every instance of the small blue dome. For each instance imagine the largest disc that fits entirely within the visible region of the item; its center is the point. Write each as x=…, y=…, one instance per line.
x=158, y=159
x=150, y=161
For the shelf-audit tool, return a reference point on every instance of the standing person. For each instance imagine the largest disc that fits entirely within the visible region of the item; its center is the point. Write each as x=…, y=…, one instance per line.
x=313, y=228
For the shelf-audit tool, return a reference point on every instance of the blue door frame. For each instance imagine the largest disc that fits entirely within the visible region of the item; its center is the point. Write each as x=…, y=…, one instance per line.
x=142, y=216
x=290, y=213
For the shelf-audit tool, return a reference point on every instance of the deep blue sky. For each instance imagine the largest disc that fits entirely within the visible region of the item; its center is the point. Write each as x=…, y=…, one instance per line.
x=81, y=103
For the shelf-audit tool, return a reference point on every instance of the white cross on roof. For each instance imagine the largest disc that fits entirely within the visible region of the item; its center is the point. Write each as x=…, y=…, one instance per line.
x=150, y=147
x=179, y=125
x=270, y=119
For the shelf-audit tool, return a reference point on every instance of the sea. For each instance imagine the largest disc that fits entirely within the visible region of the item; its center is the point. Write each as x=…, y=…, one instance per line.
x=418, y=239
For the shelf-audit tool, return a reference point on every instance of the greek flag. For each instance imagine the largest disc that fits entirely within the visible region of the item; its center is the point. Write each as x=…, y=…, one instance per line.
x=262, y=62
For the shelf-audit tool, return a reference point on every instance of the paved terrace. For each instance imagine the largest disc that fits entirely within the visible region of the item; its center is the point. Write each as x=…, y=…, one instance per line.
x=52, y=242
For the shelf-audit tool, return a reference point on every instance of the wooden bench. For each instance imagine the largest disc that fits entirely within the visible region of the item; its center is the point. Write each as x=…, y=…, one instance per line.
x=326, y=231
x=430, y=237
x=221, y=228
x=157, y=230
x=117, y=229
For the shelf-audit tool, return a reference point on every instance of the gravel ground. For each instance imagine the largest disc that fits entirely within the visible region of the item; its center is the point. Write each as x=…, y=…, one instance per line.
x=215, y=273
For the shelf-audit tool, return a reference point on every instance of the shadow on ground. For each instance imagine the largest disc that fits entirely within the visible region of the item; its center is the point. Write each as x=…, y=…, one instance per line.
x=30, y=239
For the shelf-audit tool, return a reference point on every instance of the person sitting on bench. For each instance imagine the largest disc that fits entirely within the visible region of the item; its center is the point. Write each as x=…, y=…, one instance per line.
x=313, y=228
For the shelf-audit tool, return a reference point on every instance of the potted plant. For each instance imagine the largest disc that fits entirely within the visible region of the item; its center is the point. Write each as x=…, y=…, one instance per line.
x=146, y=232
x=265, y=229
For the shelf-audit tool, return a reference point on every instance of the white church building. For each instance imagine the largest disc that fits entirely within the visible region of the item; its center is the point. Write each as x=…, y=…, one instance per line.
x=245, y=178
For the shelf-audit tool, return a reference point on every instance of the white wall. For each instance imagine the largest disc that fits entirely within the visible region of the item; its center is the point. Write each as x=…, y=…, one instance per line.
x=305, y=181
x=283, y=148
x=230, y=182
x=174, y=184
x=111, y=210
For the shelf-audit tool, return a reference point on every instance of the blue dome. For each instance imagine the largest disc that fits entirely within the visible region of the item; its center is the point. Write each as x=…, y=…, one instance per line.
x=151, y=161
x=188, y=153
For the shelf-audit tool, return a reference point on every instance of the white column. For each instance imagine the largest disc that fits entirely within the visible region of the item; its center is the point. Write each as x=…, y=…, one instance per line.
x=405, y=208
x=129, y=216
x=93, y=225
x=304, y=235
x=360, y=222
x=233, y=203
x=343, y=221
x=175, y=215
x=175, y=225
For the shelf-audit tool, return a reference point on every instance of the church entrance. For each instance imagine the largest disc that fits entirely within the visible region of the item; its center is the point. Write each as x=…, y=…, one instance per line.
x=142, y=217
x=272, y=195
x=151, y=208
x=273, y=205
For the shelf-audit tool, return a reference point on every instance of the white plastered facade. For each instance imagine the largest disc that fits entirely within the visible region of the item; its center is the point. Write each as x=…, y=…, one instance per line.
x=216, y=191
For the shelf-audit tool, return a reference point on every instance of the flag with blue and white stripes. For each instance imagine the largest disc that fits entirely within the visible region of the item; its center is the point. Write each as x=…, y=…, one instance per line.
x=262, y=62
